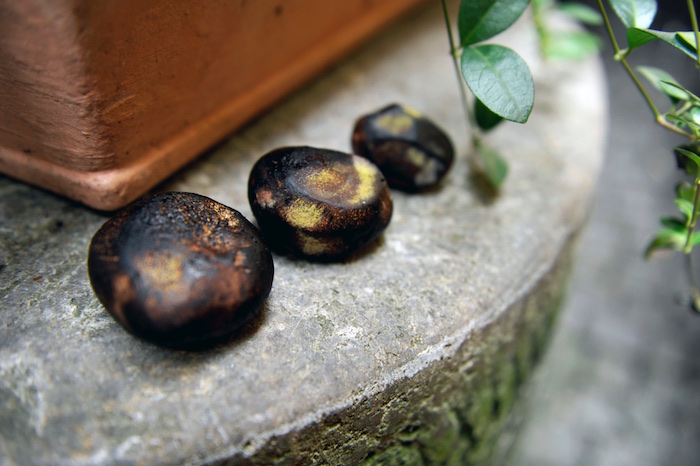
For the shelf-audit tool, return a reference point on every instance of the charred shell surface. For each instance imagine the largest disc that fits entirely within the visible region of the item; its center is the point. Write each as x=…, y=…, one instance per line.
x=318, y=204
x=180, y=269
x=410, y=150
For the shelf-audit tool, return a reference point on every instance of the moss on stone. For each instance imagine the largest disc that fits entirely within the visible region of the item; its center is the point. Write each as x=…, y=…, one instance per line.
x=398, y=455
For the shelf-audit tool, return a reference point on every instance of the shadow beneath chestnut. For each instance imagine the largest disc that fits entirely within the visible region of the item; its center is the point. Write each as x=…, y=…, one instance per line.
x=352, y=257
x=366, y=251
x=229, y=340
x=427, y=190
x=197, y=352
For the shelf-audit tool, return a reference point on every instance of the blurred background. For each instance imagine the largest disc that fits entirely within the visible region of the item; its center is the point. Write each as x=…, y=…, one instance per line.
x=620, y=383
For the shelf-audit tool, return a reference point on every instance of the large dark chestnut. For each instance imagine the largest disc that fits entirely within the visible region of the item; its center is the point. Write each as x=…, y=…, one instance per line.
x=411, y=151
x=318, y=203
x=180, y=269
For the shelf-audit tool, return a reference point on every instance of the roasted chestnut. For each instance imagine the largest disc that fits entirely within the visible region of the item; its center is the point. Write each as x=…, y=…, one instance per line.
x=412, y=152
x=180, y=269
x=318, y=203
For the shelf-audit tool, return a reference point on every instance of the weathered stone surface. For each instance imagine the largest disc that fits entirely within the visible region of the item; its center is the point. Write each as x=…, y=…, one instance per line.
x=410, y=351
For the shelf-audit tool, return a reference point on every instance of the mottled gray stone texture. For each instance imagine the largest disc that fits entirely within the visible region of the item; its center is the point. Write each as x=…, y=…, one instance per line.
x=411, y=351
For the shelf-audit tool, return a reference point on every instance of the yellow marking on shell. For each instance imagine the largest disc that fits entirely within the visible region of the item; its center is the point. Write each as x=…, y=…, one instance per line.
x=416, y=156
x=412, y=112
x=162, y=271
x=395, y=124
x=324, y=182
x=312, y=246
x=304, y=214
x=367, y=174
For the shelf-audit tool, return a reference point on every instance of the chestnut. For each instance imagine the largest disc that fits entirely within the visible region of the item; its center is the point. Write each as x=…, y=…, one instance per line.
x=412, y=152
x=180, y=269
x=317, y=203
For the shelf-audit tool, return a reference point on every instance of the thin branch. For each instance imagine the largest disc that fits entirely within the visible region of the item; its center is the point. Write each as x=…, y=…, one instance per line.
x=621, y=58
x=694, y=23
x=455, y=61
x=693, y=287
x=693, y=219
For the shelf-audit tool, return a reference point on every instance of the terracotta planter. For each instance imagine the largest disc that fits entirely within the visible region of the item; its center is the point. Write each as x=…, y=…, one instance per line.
x=100, y=101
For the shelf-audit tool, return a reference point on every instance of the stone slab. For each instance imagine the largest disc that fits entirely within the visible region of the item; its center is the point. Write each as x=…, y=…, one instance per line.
x=412, y=350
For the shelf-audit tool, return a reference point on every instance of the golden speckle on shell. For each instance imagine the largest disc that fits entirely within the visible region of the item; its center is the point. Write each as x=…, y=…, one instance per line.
x=161, y=270
x=304, y=214
x=395, y=124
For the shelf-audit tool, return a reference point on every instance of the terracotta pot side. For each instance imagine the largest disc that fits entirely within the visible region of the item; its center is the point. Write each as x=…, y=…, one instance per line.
x=106, y=99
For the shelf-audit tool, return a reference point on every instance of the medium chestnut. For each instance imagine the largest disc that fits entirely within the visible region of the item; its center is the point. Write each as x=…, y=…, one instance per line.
x=318, y=204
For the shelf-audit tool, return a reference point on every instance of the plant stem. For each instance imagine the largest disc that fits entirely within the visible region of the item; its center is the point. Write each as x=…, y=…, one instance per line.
x=694, y=23
x=542, y=31
x=463, y=93
x=696, y=205
x=693, y=219
x=608, y=27
x=693, y=287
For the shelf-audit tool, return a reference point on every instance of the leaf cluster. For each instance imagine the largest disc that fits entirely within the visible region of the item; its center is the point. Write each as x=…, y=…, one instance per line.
x=497, y=76
x=676, y=232
x=637, y=16
x=682, y=116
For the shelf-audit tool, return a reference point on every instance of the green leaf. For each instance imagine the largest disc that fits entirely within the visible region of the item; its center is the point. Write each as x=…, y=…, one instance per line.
x=685, y=190
x=485, y=118
x=499, y=78
x=659, y=79
x=686, y=207
x=694, y=114
x=637, y=37
x=635, y=13
x=690, y=155
x=666, y=239
x=655, y=245
x=482, y=19
x=688, y=39
x=674, y=225
x=495, y=167
x=695, y=238
x=582, y=13
x=571, y=45
x=687, y=95
x=541, y=4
